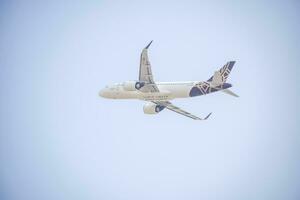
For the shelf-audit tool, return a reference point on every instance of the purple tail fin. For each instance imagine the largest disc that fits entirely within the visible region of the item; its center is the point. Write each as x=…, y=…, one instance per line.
x=222, y=74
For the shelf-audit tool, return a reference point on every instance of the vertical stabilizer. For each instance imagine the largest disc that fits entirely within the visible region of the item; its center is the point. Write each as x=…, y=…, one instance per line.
x=222, y=74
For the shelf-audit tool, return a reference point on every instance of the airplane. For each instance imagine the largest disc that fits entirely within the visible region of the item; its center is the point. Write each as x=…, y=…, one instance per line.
x=158, y=94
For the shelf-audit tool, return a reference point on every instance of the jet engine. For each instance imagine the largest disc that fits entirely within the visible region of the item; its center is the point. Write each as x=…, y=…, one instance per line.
x=132, y=85
x=152, y=108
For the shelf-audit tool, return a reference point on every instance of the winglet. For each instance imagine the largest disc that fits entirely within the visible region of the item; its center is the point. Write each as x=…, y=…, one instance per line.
x=148, y=45
x=207, y=116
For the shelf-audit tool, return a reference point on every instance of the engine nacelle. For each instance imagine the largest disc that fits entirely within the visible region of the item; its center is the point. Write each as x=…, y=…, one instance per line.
x=139, y=85
x=132, y=85
x=152, y=108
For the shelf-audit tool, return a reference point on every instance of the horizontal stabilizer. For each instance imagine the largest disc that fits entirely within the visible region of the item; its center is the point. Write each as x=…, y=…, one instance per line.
x=227, y=91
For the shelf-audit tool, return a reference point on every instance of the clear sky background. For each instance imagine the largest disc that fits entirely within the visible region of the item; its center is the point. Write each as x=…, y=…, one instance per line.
x=60, y=140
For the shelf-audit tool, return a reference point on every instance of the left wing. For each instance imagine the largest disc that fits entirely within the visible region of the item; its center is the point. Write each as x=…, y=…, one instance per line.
x=145, y=74
x=170, y=106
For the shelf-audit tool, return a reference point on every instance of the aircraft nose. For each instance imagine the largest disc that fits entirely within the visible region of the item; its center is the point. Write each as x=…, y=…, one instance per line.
x=102, y=93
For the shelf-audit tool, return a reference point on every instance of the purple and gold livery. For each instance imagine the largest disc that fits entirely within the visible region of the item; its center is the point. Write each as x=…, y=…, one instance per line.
x=158, y=94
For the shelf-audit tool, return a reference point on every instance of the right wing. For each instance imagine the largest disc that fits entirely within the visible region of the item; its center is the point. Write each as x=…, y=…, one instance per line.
x=145, y=74
x=171, y=107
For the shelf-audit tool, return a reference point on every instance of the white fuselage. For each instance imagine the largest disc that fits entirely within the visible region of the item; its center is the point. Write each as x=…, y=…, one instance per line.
x=167, y=91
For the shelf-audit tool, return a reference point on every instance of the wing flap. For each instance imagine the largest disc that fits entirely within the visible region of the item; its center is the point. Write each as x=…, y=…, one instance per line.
x=227, y=91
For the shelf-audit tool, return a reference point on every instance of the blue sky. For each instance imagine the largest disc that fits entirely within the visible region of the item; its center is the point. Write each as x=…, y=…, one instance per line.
x=59, y=140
